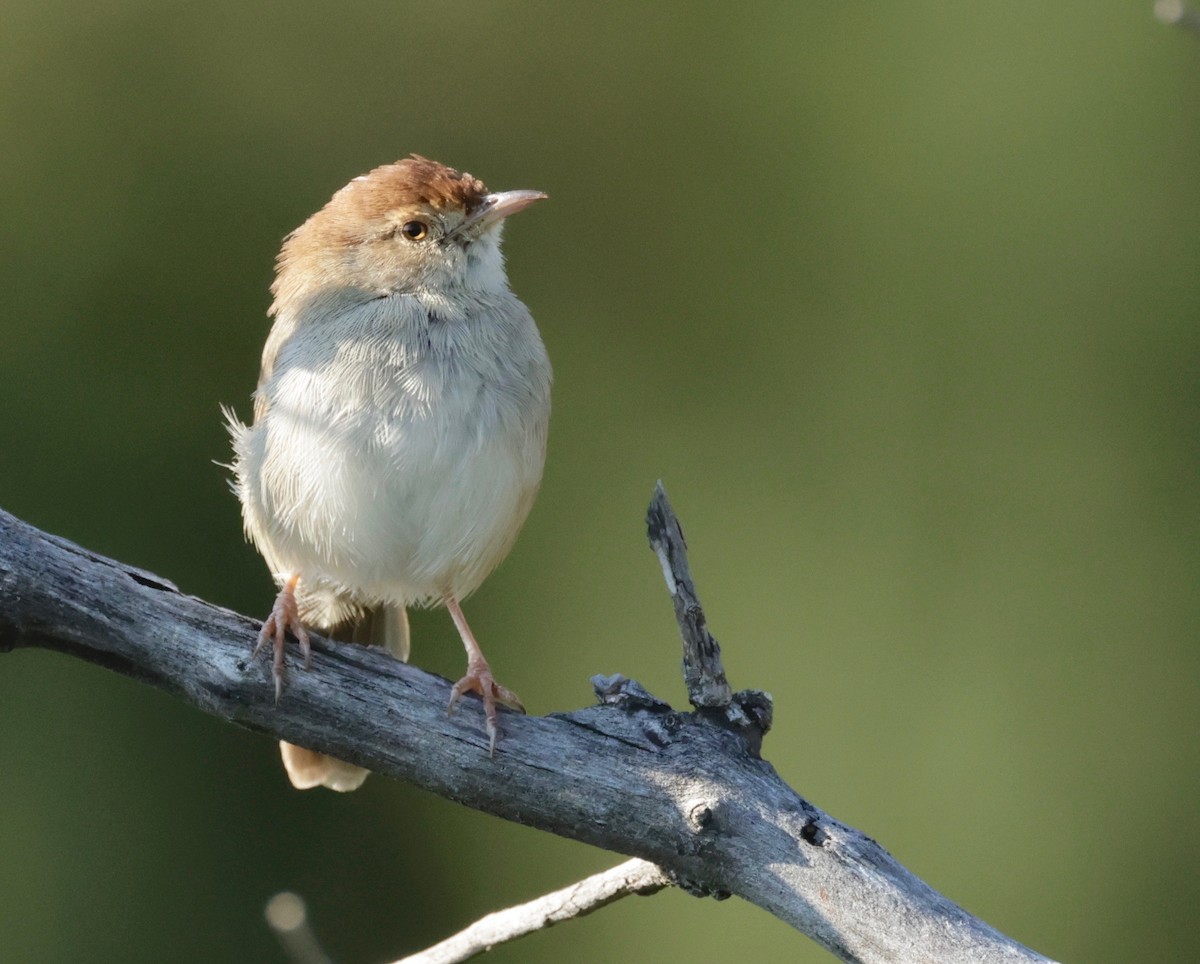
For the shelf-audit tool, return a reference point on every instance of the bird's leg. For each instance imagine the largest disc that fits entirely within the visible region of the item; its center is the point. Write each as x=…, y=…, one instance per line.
x=285, y=616
x=479, y=677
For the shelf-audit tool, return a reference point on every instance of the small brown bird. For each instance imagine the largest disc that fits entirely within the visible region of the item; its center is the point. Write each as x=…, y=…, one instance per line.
x=399, y=422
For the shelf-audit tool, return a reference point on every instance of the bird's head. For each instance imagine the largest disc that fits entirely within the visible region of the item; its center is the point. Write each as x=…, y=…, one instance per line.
x=409, y=227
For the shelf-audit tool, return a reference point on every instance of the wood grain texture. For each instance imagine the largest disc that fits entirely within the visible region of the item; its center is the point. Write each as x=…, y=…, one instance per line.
x=687, y=791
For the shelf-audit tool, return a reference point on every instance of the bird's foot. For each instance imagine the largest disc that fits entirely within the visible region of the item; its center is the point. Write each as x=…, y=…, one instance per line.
x=479, y=680
x=284, y=618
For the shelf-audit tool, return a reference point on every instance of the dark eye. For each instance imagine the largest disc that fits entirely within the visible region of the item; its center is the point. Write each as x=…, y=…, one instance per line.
x=415, y=230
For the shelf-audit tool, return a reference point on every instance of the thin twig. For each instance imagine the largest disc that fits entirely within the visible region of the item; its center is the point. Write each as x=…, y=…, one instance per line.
x=748, y=712
x=703, y=670
x=589, y=894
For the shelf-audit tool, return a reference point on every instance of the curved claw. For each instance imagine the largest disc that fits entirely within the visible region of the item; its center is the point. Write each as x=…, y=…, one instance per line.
x=284, y=618
x=479, y=680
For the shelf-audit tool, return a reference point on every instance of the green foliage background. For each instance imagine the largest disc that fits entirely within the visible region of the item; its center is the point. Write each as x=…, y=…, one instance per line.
x=899, y=299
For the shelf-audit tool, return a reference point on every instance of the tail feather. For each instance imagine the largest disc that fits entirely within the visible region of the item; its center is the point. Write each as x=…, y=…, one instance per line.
x=308, y=768
x=385, y=626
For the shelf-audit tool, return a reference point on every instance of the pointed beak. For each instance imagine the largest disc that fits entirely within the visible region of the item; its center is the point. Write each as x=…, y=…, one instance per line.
x=496, y=207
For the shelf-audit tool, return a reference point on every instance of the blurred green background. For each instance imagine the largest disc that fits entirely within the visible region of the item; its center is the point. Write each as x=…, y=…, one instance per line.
x=900, y=301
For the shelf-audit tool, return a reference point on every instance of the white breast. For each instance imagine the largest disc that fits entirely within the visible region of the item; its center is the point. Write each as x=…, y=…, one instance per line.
x=399, y=452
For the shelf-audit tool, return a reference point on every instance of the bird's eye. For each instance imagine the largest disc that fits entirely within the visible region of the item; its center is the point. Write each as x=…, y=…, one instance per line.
x=415, y=230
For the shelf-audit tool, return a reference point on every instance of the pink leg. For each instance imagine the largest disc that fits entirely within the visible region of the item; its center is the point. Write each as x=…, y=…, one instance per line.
x=285, y=616
x=479, y=677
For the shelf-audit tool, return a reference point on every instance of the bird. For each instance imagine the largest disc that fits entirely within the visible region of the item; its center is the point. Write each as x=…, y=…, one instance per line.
x=400, y=424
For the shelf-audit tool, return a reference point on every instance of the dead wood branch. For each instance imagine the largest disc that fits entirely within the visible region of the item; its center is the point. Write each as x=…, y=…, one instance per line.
x=686, y=791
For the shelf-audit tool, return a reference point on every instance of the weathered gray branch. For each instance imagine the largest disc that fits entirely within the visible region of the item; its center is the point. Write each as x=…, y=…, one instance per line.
x=685, y=791
x=703, y=671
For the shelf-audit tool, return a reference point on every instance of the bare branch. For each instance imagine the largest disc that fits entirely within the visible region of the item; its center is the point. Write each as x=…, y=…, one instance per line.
x=684, y=791
x=702, y=668
x=578, y=900
x=750, y=711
